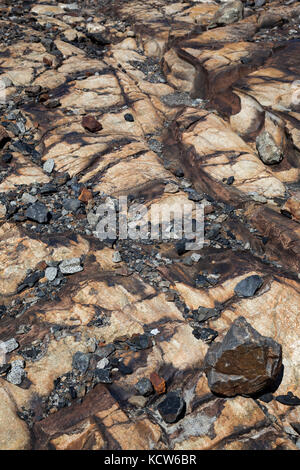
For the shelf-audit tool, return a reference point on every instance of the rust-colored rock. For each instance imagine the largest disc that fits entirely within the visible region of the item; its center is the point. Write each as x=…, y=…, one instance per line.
x=85, y=195
x=158, y=383
x=91, y=124
x=47, y=61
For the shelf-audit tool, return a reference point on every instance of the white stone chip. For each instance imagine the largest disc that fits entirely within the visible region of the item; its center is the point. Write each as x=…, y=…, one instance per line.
x=49, y=165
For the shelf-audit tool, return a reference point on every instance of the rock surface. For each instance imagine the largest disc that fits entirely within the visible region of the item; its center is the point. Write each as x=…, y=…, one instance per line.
x=184, y=102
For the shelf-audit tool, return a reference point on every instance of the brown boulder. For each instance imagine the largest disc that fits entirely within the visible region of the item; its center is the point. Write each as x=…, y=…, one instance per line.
x=244, y=363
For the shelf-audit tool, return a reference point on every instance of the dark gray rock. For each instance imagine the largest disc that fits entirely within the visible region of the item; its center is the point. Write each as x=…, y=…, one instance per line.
x=81, y=361
x=248, y=286
x=71, y=205
x=172, y=407
x=289, y=399
x=38, y=212
x=144, y=387
x=204, y=313
x=268, y=151
x=207, y=335
x=244, y=363
x=105, y=351
x=139, y=342
x=103, y=376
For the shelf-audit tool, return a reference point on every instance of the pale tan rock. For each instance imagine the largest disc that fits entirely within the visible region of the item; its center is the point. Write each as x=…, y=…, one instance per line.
x=33, y=251
x=250, y=118
x=292, y=205
x=80, y=437
x=180, y=74
x=2, y=211
x=25, y=173
x=14, y=434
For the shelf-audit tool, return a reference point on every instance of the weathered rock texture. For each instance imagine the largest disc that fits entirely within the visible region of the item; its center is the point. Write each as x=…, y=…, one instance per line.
x=167, y=103
x=244, y=363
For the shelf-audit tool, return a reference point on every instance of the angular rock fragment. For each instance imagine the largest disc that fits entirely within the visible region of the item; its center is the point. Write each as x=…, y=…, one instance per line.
x=172, y=407
x=81, y=361
x=10, y=345
x=248, y=286
x=244, y=363
x=71, y=205
x=116, y=257
x=268, y=151
x=229, y=12
x=205, y=334
x=105, y=351
x=38, y=212
x=49, y=165
x=289, y=399
x=158, y=383
x=144, y=387
x=70, y=266
x=51, y=273
x=85, y=195
x=103, y=376
x=17, y=372
x=91, y=124
x=203, y=313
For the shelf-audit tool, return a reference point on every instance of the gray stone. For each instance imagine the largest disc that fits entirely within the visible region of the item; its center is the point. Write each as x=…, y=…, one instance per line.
x=81, y=361
x=116, y=257
x=102, y=363
x=71, y=205
x=248, y=286
x=244, y=363
x=103, y=376
x=28, y=198
x=49, y=166
x=105, y=351
x=195, y=257
x=38, y=212
x=268, y=151
x=17, y=373
x=51, y=273
x=144, y=387
x=204, y=313
x=70, y=266
x=10, y=345
x=229, y=13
